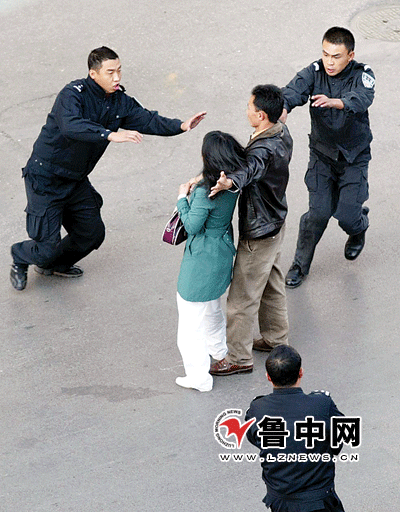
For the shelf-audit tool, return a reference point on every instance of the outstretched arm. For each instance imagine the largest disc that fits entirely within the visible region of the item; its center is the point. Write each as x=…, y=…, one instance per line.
x=320, y=100
x=224, y=183
x=193, y=121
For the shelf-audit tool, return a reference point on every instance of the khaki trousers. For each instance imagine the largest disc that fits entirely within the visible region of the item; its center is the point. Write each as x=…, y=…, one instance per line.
x=257, y=292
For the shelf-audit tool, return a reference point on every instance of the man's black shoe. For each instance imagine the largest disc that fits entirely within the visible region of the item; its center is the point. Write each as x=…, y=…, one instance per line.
x=19, y=276
x=294, y=277
x=73, y=271
x=354, y=245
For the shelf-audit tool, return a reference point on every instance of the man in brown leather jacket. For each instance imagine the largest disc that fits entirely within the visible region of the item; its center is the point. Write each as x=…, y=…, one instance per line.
x=258, y=287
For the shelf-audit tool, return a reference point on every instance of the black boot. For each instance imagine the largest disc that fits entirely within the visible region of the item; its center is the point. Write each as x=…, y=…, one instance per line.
x=354, y=245
x=19, y=276
x=73, y=271
x=294, y=277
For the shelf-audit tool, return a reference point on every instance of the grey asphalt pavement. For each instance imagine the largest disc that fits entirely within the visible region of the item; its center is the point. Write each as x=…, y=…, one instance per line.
x=91, y=418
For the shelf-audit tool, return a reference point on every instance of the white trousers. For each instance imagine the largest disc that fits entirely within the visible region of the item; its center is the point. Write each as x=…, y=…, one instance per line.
x=201, y=333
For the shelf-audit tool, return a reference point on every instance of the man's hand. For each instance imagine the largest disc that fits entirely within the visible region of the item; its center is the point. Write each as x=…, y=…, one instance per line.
x=283, y=116
x=125, y=136
x=320, y=100
x=192, y=122
x=223, y=183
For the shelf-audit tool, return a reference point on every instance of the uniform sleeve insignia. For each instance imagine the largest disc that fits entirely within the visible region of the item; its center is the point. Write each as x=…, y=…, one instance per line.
x=78, y=87
x=367, y=80
x=316, y=66
x=320, y=392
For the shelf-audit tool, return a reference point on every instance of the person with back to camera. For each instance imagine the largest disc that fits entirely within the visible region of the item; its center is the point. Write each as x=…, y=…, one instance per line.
x=295, y=485
x=340, y=91
x=86, y=116
x=257, y=293
x=206, y=268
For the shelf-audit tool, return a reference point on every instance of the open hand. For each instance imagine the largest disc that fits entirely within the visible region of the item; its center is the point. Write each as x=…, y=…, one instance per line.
x=193, y=121
x=224, y=183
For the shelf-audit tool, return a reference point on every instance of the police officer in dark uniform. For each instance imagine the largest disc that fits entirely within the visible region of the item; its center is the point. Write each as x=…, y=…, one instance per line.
x=340, y=91
x=298, y=478
x=85, y=118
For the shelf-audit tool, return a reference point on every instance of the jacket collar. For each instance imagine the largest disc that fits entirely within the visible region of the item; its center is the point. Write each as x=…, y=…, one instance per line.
x=343, y=74
x=95, y=88
x=286, y=391
x=276, y=129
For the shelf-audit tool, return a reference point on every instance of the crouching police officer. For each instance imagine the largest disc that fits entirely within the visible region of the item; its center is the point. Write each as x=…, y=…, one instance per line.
x=298, y=477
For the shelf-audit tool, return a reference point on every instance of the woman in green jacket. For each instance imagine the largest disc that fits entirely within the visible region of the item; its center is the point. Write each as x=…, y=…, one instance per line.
x=206, y=268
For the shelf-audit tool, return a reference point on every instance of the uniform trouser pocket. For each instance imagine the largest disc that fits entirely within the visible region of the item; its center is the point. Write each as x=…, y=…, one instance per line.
x=76, y=206
x=353, y=192
x=310, y=179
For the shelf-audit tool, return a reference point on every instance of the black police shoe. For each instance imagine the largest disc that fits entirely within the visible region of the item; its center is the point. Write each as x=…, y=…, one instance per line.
x=19, y=276
x=73, y=271
x=354, y=245
x=294, y=277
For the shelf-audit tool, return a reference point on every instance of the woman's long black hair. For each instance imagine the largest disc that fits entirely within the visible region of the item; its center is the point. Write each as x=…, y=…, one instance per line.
x=220, y=152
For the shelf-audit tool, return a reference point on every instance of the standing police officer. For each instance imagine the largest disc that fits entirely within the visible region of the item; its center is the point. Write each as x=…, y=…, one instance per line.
x=340, y=91
x=85, y=118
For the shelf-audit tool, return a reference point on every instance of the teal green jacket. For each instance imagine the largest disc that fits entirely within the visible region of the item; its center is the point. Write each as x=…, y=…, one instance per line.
x=206, y=268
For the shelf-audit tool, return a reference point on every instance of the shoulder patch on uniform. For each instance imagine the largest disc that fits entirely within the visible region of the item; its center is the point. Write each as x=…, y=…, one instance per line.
x=79, y=87
x=366, y=67
x=320, y=392
x=316, y=66
x=368, y=80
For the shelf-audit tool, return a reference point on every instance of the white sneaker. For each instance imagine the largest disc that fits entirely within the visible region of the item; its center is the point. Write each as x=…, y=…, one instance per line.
x=186, y=383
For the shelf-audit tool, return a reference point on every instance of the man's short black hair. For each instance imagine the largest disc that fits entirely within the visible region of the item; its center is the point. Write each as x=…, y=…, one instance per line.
x=340, y=35
x=269, y=99
x=283, y=366
x=99, y=55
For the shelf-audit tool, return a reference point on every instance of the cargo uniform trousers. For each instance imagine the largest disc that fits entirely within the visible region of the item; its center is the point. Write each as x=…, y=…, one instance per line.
x=338, y=189
x=53, y=203
x=257, y=292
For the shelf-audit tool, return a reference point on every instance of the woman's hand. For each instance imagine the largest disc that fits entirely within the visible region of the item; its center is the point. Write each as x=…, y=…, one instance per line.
x=184, y=188
x=193, y=181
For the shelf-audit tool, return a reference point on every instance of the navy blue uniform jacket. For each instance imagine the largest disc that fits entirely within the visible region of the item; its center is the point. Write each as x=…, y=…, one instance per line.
x=292, y=478
x=75, y=134
x=334, y=130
